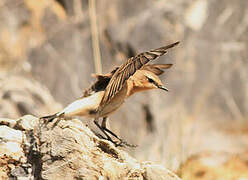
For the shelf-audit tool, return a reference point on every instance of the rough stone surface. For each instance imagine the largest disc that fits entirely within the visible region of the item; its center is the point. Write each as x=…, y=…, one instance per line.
x=67, y=150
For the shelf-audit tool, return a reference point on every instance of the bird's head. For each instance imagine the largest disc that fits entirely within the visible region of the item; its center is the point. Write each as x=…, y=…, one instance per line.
x=148, y=78
x=152, y=81
x=151, y=73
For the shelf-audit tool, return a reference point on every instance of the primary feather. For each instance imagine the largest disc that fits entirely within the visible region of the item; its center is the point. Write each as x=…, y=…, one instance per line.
x=133, y=64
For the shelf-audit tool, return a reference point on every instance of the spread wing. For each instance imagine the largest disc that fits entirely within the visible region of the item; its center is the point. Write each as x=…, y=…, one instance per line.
x=156, y=68
x=100, y=84
x=133, y=64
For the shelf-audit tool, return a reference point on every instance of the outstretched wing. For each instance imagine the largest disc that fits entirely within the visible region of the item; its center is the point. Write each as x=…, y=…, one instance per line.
x=100, y=84
x=133, y=64
x=156, y=68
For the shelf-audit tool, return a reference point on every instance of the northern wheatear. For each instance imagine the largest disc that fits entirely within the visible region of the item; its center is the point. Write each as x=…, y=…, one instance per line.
x=109, y=91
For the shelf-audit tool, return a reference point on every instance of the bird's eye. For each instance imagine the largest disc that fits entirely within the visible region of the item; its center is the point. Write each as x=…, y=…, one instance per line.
x=150, y=80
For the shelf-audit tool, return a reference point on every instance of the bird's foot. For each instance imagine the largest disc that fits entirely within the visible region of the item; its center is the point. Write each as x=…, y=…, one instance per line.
x=123, y=143
x=119, y=143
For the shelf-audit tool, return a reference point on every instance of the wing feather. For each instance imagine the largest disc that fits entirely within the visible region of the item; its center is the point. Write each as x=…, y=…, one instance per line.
x=122, y=74
x=156, y=68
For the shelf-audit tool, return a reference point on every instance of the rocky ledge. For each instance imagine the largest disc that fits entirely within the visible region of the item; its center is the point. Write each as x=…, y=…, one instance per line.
x=29, y=149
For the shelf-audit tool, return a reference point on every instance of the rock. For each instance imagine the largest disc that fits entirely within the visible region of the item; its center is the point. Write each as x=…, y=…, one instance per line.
x=67, y=150
x=7, y=122
x=13, y=159
x=27, y=122
x=11, y=141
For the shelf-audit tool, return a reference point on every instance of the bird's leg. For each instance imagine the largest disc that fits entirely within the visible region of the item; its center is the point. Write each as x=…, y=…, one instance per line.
x=104, y=127
x=96, y=121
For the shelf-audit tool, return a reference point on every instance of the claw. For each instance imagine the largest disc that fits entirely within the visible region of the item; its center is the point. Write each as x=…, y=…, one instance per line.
x=122, y=142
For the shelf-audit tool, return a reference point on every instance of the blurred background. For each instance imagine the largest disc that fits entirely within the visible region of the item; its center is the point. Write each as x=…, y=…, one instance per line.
x=199, y=129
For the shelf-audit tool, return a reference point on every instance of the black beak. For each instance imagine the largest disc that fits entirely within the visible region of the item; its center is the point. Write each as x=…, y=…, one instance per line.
x=163, y=88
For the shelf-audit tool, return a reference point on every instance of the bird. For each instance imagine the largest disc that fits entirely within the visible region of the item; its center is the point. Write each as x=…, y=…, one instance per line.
x=110, y=90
